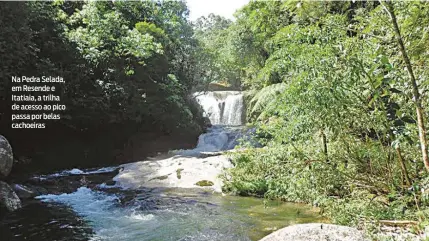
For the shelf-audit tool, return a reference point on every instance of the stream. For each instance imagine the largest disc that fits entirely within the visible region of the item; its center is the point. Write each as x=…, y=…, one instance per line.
x=158, y=198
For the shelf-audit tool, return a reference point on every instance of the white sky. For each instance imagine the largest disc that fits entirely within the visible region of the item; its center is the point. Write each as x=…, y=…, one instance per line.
x=223, y=8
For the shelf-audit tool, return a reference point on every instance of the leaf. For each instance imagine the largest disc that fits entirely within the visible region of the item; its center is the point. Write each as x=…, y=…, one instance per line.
x=264, y=97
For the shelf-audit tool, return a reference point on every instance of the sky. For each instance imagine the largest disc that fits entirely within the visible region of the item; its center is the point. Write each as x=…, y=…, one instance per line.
x=223, y=8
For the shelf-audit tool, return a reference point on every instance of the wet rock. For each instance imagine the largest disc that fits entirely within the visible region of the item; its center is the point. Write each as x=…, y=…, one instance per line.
x=207, y=122
x=38, y=190
x=24, y=192
x=316, y=231
x=204, y=183
x=68, y=183
x=8, y=197
x=110, y=182
x=165, y=173
x=6, y=157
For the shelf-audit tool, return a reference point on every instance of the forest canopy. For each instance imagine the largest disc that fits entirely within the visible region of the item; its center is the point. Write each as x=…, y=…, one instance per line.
x=129, y=69
x=122, y=61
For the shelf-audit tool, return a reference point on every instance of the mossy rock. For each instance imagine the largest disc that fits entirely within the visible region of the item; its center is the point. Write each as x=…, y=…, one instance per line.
x=179, y=173
x=204, y=183
x=160, y=177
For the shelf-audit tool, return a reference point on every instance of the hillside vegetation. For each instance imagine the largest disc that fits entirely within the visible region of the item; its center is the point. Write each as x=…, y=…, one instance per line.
x=338, y=95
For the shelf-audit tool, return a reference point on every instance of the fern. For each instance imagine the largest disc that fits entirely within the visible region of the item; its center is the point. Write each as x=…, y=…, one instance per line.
x=264, y=98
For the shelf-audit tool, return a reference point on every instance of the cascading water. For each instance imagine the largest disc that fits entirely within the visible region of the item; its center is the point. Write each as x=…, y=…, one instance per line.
x=159, y=198
x=222, y=107
x=225, y=109
x=233, y=112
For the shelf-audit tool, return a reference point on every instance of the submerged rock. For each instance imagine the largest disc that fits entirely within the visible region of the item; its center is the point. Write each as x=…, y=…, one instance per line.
x=8, y=197
x=6, y=157
x=316, y=231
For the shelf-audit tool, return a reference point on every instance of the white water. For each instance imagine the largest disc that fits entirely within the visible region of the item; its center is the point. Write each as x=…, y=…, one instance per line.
x=98, y=208
x=76, y=171
x=222, y=107
x=217, y=138
x=178, y=219
x=174, y=218
x=200, y=163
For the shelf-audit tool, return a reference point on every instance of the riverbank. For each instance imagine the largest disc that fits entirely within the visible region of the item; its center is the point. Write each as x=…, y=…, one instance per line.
x=40, y=154
x=277, y=172
x=80, y=204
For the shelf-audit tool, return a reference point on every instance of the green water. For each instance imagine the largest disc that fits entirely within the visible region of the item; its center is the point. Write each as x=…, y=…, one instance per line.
x=152, y=215
x=261, y=216
x=269, y=216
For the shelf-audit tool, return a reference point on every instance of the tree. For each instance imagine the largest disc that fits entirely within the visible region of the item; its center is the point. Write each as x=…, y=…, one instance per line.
x=388, y=6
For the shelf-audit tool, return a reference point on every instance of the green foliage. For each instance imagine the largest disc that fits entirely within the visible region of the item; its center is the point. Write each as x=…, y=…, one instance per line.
x=129, y=69
x=216, y=61
x=122, y=62
x=327, y=88
x=330, y=97
x=263, y=99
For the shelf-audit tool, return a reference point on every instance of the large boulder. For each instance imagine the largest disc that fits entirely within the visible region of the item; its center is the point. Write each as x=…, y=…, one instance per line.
x=316, y=231
x=174, y=172
x=8, y=197
x=6, y=157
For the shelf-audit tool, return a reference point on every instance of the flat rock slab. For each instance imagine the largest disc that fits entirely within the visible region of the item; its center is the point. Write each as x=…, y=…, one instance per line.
x=174, y=172
x=316, y=231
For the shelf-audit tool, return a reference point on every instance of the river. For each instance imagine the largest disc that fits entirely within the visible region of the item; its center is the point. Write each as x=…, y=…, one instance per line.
x=158, y=199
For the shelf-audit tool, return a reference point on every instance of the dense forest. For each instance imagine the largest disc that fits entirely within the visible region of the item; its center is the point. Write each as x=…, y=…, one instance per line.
x=337, y=91
x=129, y=68
x=338, y=94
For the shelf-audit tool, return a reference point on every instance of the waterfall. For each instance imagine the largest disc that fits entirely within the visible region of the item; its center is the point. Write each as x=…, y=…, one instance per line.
x=222, y=107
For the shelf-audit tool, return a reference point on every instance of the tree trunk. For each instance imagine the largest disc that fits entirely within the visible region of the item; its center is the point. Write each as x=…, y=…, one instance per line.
x=403, y=166
x=388, y=6
x=324, y=144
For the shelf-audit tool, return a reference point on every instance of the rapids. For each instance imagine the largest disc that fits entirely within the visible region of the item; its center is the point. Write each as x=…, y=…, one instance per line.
x=158, y=199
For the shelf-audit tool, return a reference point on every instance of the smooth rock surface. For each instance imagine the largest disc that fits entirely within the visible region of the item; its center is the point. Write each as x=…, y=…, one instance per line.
x=173, y=172
x=6, y=157
x=316, y=231
x=8, y=197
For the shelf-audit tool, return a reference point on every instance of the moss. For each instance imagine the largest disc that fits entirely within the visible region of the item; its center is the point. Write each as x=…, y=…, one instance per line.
x=204, y=183
x=178, y=173
x=160, y=177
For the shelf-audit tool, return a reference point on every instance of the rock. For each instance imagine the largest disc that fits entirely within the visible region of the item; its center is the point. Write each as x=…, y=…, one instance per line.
x=214, y=86
x=6, y=157
x=23, y=160
x=207, y=122
x=8, y=197
x=316, y=231
x=397, y=233
x=110, y=182
x=24, y=192
x=174, y=172
x=204, y=183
